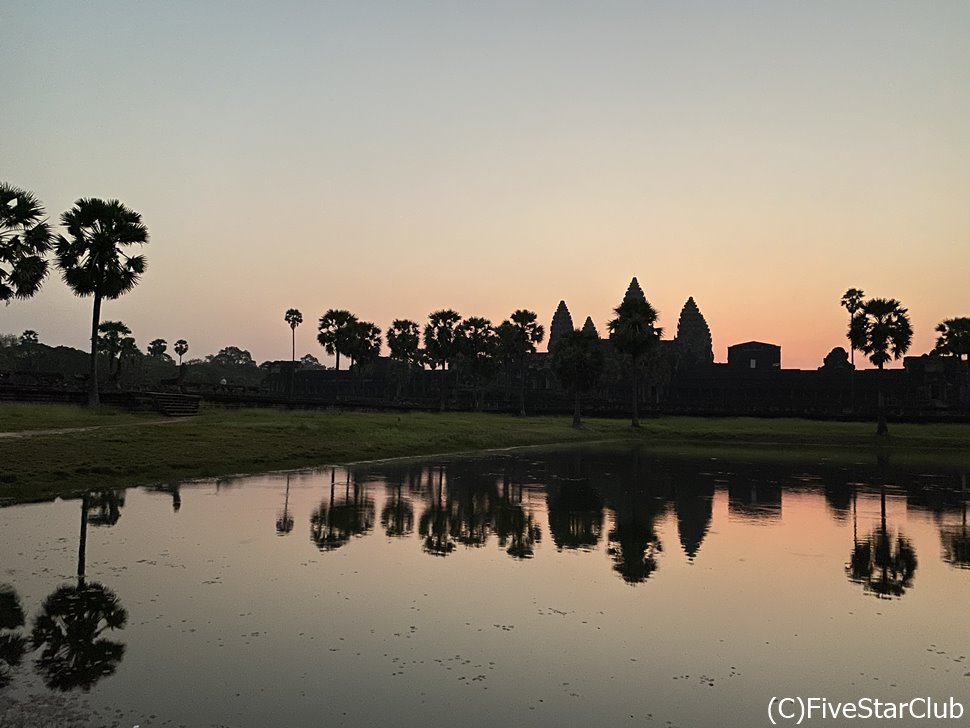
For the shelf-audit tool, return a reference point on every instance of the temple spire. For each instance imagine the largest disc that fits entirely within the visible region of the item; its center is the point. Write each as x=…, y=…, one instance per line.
x=590, y=328
x=694, y=335
x=562, y=322
x=634, y=291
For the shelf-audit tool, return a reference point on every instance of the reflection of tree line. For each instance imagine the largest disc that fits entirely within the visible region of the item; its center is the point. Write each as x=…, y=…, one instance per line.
x=68, y=631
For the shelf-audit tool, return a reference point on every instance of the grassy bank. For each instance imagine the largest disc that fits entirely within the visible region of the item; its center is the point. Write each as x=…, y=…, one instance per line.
x=125, y=449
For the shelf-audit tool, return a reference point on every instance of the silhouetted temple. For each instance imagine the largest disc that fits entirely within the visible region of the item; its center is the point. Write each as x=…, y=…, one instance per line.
x=590, y=328
x=694, y=335
x=634, y=291
x=562, y=322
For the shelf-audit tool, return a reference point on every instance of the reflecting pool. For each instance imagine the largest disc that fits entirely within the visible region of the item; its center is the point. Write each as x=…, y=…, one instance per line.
x=559, y=587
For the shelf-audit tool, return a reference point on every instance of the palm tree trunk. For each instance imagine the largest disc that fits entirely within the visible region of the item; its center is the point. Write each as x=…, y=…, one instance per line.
x=522, y=370
x=338, y=358
x=93, y=399
x=881, y=427
x=577, y=423
x=83, y=541
x=636, y=393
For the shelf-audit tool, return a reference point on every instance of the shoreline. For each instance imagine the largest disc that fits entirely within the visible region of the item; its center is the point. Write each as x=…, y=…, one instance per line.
x=234, y=443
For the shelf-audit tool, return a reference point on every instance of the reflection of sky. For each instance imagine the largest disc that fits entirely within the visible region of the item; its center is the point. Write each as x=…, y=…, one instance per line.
x=277, y=631
x=761, y=157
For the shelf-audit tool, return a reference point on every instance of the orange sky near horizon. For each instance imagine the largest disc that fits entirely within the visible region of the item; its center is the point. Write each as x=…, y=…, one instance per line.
x=397, y=159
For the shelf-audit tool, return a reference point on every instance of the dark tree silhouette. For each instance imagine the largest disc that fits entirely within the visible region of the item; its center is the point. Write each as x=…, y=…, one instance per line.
x=439, y=343
x=477, y=344
x=232, y=356
x=518, y=339
x=435, y=524
x=884, y=565
x=335, y=522
x=68, y=632
x=181, y=348
x=293, y=318
x=94, y=261
x=397, y=515
x=881, y=330
x=575, y=515
x=852, y=301
x=335, y=332
x=25, y=239
x=404, y=342
x=577, y=361
x=634, y=332
x=157, y=348
x=115, y=342
x=29, y=338
x=363, y=344
x=954, y=338
x=13, y=644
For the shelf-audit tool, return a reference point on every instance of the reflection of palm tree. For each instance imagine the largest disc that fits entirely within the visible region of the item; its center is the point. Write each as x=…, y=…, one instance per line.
x=435, y=523
x=72, y=619
x=284, y=521
x=956, y=540
x=68, y=631
x=575, y=515
x=397, y=516
x=12, y=645
x=517, y=531
x=884, y=566
x=333, y=524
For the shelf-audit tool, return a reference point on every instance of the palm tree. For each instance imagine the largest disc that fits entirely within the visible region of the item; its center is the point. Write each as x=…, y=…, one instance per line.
x=519, y=337
x=156, y=348
x=577, y=360
x=113, y=338
x=25, y=238
x=294, y=318
x=852, y=302
x=881, y=330
x=181, y=348
x=363, y=344
x=404, y=342
x=439, y=343
x=634, y=332
x=93, y=260
x=883, y=566
x=476, y=345
x=335, y=329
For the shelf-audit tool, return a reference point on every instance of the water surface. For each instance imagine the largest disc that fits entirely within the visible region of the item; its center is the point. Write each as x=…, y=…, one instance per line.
x=560, y=587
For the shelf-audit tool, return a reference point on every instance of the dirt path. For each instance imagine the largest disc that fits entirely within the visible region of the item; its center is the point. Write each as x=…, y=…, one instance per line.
x=18, y=434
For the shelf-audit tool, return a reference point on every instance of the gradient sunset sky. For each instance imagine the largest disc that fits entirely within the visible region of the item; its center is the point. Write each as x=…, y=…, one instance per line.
x=393, y=158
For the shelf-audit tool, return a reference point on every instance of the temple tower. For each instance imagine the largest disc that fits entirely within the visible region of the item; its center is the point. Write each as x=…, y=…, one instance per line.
x=634, y=291
x=561, y=323
x=590, y=328
x=694, y=335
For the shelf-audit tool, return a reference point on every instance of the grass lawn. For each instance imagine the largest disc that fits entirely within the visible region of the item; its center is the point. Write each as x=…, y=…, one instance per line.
x=131, y=449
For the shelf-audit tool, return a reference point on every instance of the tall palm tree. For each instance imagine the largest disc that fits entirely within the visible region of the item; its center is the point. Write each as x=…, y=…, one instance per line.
x=25, y=238
x=852, y=301
x=335, y=331
x=439, y=343
x=181, y=348
x=294, y=318
x=577, y=361
x=94, y=261
x=881, y=330
x=404, y=342
x=476, y=345
x=634, y=332
x=519, y=337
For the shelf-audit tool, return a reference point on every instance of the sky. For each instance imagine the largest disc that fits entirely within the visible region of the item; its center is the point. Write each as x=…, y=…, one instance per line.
x=395, y=158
